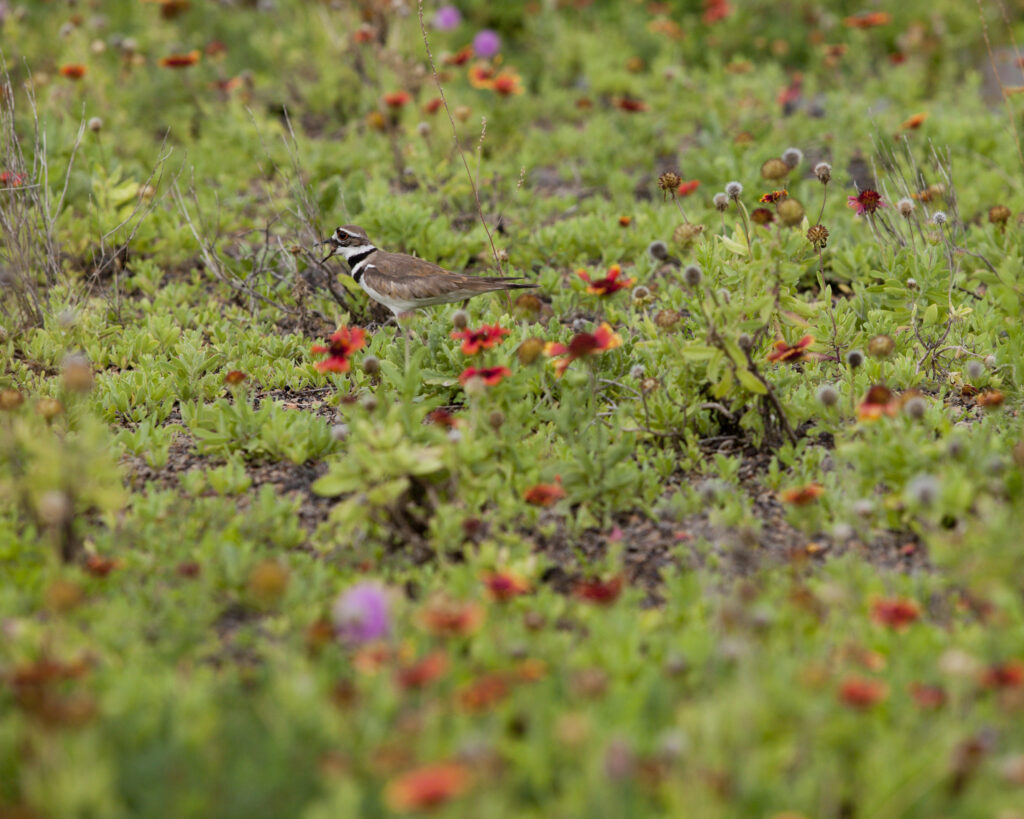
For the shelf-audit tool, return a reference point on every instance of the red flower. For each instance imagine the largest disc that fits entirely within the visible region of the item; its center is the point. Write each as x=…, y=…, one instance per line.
x=432, y=106
x=485, y=338
x=773, y=197
x=10, y=179
x=342, y=344
x=504, y=585
x=715, y=10
x=489, y=375
x=869, y=19
x=426, y=787
x=363, y=34
x=897, y=612
x=99, y=566
x=544, y=494
x=508, y=83
x=460, y=57
x=631, y=104
x=867, y=201
x=444, y=617
x=582, y=345
x=802, y=495
x=423, y=672
x=625, y=221
x=861, y=693
x=762, y=216
x=481, y=75
x=791, y=352
x=484, y=693
x=1004, y=675
x=686, y=188
x=215, y=48
x=608, y=285
x=73, y=72
x=396, y=99
x=790, y=95
x=879, y=401
x=180, y=60
x=929, y=697
x=596, y=590
x=442, y=418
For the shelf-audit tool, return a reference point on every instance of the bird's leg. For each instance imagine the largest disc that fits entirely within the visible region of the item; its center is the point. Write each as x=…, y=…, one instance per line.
x=406, y=330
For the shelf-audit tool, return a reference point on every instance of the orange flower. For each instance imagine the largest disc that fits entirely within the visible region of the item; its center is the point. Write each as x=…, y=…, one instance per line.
x=423, y=672
x=869, y=19
x=460, y=57
x=596, y=590
x=396, y=99
x=544, y=494
x=489, y=375
x=582, y=345
x=802, y=495
x=609, y=284
x=99, y=566
x=669, y=28
x=1004, y=675
x=488, y=336
x=481, y=75
x=914, y=122
x=432, y=106
x=990, y=399
x=234, y=377
x=686, y=188
x=444, y=617
x=897, y=612
x=508, y=83
x=180, y=60
x=74, y=71
x=504, y=585
x=630, y=104
x=861, y=693
x=791, y=352
x=879, y=401
x=484, y=693
x=426, y=787
x=625, y=221
x=371, y=658
x=773, y=197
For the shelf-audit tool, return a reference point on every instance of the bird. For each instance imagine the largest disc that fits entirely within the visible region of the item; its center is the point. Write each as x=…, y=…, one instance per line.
x=405, y=283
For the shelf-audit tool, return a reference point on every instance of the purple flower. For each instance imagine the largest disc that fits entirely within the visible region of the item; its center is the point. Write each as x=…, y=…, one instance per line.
x=487, y=43
x=363, y=613
x=447, y=18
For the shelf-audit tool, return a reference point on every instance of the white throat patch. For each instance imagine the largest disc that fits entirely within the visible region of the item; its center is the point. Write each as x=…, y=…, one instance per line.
x=358, y=250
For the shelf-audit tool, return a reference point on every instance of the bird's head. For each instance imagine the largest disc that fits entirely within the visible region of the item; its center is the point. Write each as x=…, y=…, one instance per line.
x=349, y=241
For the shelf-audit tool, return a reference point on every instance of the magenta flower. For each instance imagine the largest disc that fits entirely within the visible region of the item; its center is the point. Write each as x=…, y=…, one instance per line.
x=486, y=44
x=447, y=18
x=867, y=201
x=362, y=613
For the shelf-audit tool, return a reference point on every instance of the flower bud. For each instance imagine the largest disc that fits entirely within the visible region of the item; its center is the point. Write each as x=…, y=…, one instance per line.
x=49, y=408
x=975, y=369
x=792, y=157
x=828, y=395
x=496, y=419
x=774, y=170
x=790, y=211
x=881, y=346
x=693, y=276
x=530, y=350
x=77, y=373
x=371, y=365
x=666, y=319
x=95, y=125
x=990, y=362
x=54, y=508
x=460, y=319
x=915, y=408
x=745, y=342
x=854, y=359
x=721, y=201
x=11, y=400
x=657, y=250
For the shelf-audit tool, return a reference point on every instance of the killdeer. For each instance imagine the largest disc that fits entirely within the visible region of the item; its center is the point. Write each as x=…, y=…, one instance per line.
x=404, y=283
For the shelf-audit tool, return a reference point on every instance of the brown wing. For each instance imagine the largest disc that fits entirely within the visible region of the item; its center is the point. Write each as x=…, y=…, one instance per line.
x=410, y=278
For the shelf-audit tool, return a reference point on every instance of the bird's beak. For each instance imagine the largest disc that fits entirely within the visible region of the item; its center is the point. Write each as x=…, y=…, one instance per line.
x=334, y=247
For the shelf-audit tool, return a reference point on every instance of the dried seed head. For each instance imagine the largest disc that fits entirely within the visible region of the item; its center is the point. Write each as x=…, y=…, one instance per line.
x=11, y=400
x=828, y=395
x=579, y=325
x=791, y=212
x=423, y=129
x=496, y=419
x=693, y=275
x=916, y=407
x=939, y=217
x=774, y=169
x=817, y=235
x=637, y=371
x=854, y=359
x=998, y=214
x=370, y=403
x=745, y=342
x=77, y=372
x=975, y=369
x=371, y=365
x=667, y=319
x=824, y=172
x=460, y=319
x=912, y=284
x=863, y=508
x=721, y=201
x=657, y=250
x=881, y=346
x=990, y=362
x=792, y=157
x=905, y=207
x=669, y=182
x=530, y=350
x=733, y=190
x=641, y=293
x=54, y=508
x=95, y=125
x=339, y=432
x=49, y=408
x=923, y=490
x=268, y=581
x=686, y=233
x=649, y=385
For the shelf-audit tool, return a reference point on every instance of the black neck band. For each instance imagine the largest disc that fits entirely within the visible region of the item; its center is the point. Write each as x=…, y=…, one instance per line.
x=360, y=257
